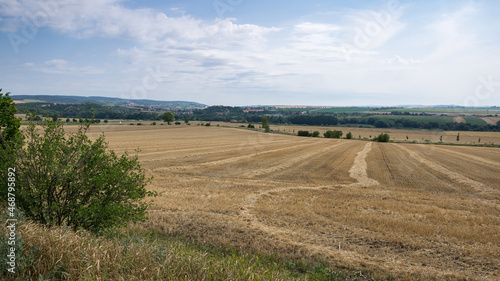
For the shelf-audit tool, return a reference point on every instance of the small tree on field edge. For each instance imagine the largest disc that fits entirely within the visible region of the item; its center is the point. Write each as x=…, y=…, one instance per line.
x=265, y=124
x=168, y=117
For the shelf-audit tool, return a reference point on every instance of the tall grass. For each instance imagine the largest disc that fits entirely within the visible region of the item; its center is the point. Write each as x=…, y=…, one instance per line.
x=135, y=253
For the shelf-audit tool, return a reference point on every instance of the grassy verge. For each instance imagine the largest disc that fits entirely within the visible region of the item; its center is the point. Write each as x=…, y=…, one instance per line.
x=135, y=253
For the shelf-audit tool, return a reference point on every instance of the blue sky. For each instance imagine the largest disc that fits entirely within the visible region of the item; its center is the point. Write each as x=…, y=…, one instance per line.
x=242, y=52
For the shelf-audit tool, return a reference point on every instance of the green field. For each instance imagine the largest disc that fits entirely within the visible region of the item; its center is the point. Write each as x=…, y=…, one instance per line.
x=343, y=109
x=442, y=120
x=475, y=121
x=480, y=110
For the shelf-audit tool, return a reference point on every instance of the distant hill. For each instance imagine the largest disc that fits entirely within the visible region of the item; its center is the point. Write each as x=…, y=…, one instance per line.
x=103, y=101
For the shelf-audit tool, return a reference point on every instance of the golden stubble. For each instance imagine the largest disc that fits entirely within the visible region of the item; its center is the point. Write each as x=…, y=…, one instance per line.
x=419, y=212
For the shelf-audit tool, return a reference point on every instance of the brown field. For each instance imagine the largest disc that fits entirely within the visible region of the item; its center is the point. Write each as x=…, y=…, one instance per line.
x=419, y=212
x=459, y=119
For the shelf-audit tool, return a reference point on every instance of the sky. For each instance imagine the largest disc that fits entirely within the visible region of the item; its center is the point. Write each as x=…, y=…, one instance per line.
x=255, y=52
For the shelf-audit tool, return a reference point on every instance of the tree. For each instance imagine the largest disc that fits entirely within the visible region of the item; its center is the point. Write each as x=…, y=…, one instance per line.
x=348, y=136
x=265, y=124
x=168, y=117
x=9, y=125
x=71, y=180
x=315, y=134
x=186, y=120
x=381, y=124
x=10, y=139
x=458, y=137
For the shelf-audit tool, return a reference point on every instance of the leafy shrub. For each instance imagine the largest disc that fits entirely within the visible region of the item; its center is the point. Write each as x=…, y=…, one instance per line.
x=333, y=134
x=315, y=134
x=382, y=138
x=177, y=123
x=208, y=124
x=251, y=126
x=71, y=180
x=303, y=133
x=348, y=136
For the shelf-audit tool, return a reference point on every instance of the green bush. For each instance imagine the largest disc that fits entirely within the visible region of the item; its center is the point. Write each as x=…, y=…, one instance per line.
x=208, y=124
x=315, y=134
x=68, y=179
x=177, y=123
x=383, y=138
x=348, y=136
x=303, y=133
x=251, y=126
x=333, y=134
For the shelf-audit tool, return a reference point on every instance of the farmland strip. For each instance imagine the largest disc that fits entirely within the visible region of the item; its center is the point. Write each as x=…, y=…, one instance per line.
x=454, y=176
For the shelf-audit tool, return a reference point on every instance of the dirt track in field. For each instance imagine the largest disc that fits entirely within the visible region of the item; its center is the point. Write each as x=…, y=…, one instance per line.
x=416, y=211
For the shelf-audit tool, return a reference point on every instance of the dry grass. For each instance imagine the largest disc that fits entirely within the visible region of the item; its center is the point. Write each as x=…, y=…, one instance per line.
x=135, y=253
x=420, y=212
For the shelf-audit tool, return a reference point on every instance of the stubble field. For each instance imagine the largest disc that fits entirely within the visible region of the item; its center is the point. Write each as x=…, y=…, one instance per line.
x=421, y=212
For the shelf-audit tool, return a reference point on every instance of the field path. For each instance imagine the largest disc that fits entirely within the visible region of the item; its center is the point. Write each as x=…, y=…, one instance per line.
x=357, y=172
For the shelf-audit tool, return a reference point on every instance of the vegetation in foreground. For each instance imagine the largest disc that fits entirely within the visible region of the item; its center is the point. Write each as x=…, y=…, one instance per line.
x=136, y=253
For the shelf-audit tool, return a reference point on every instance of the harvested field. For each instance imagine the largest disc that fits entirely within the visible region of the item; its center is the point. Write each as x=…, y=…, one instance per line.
x=491, y=120
x=419, y=212
x=459, y=119
x=420, y=136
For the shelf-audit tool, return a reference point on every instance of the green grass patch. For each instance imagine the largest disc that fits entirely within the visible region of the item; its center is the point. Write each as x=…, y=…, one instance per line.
x=475, y=121
x=343, y=109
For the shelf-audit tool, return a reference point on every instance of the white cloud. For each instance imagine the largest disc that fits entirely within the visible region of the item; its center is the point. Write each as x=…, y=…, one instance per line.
x=60, y=66
x=358, y=51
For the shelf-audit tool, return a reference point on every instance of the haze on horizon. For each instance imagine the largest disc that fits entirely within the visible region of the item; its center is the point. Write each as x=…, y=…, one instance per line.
x=242, y=52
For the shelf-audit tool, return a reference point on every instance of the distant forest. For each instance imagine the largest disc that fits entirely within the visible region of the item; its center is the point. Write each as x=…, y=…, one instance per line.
x=394, y=119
